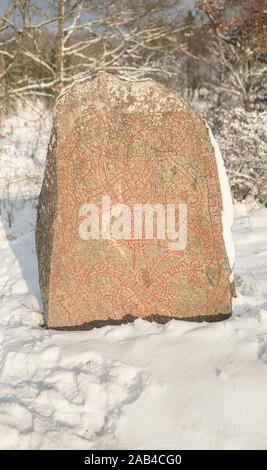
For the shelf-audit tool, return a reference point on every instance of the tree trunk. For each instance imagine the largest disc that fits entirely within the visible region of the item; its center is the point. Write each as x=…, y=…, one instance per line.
x=59, y=46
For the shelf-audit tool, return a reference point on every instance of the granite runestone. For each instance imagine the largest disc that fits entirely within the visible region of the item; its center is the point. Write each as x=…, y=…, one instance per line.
x=115, y=146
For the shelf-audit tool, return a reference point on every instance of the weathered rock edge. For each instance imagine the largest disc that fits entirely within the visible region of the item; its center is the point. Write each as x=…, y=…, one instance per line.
x=46, y=212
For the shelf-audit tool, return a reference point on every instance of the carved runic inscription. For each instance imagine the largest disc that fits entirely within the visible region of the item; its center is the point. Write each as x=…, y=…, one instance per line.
x=131, y=155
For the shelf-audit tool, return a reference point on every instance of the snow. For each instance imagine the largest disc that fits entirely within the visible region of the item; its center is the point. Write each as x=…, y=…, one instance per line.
x=84, y=79
x=181, y=385
x=227, y=204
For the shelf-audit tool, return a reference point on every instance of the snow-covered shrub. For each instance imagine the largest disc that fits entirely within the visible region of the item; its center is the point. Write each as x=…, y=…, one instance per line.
x=242, y=137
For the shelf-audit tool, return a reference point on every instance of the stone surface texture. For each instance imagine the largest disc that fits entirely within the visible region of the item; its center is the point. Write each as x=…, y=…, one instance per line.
x=138, y=143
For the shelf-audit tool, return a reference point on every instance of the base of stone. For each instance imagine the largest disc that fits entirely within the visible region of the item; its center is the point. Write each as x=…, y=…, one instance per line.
x=161, y=319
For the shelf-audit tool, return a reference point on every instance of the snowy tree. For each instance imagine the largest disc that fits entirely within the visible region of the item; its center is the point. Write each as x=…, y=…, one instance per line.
x=68, y=40
x=238, y=44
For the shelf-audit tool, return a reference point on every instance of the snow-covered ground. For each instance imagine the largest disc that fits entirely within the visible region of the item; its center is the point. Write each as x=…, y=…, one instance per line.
x=143, y=385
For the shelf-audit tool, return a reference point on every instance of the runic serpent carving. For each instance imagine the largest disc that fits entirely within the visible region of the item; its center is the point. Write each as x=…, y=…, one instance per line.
x=157, y=159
